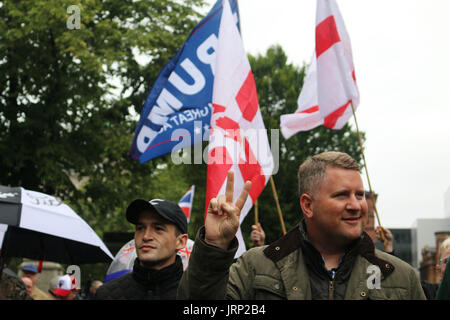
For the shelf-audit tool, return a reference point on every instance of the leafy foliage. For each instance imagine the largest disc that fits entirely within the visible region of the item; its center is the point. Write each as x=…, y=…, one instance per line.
x=67, y=96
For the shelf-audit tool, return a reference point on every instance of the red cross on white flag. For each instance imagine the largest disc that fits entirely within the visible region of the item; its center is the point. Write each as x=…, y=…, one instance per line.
x=238, y=139
x=330, y=84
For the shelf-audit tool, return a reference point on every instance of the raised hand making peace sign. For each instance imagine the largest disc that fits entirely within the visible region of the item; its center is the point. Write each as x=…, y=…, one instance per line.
x=222, y=218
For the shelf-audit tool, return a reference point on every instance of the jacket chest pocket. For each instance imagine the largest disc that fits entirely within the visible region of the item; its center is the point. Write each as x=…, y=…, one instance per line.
x=268, y=288
x=387, y=294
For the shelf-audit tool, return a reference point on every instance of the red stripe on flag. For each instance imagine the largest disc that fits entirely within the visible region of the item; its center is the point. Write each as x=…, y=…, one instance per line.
x=326, y=35
x=332, y=118
x=251, y=171
x=218, y=108
x=231, y=127
x=310, y=110
x=219, y=162
x=168, y=140
x=247, y=98
x=186, y=212
x=227, y=123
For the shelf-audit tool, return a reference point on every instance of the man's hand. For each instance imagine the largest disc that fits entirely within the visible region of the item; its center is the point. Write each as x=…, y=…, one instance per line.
x=388, y=239
x=257, y=235
x=222, y=218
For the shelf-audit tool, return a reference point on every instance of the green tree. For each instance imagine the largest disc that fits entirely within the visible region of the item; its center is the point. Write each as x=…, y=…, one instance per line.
x=67, y=96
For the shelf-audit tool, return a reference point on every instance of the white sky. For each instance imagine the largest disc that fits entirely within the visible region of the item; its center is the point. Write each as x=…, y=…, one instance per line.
x=401, y=52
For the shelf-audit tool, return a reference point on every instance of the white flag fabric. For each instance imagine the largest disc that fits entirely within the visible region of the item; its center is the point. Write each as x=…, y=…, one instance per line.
x=330, y=80
x=238, y=139
x=307, y=116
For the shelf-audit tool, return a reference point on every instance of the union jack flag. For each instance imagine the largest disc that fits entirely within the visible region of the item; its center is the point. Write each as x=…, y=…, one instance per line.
x=186, y=202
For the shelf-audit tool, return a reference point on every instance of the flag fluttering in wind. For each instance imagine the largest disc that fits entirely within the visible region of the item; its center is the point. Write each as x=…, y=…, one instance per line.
x=330, y=85
x=186, y=202
x=177, y=111
x=238, y=139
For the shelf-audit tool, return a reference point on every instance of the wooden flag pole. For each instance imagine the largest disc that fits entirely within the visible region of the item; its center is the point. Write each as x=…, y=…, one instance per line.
x=280, y=215
x=256, y=212
x=367, y=172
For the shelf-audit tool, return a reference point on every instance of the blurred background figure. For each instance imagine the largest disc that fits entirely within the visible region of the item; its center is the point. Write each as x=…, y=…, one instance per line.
x=53, y=285
x=93, y=289
x=430, y=289
x=257, y=235
x=388, y=244
x=11, y=287
x=375, y=233
x=443, y=271
x=67, y=288
x=28, y=284
x=444, y=254
x=30, y=271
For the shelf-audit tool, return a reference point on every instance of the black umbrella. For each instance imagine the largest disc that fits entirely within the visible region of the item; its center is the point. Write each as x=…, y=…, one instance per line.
x=38, y=226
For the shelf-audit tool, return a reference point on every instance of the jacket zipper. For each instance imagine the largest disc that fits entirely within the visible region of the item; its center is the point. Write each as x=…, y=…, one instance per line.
x=330, y=290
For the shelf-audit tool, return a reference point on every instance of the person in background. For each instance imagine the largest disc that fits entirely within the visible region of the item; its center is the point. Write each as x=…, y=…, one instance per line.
x=257, y=236
x=53, y=285
x=429, y=289
x=28, y=284
x=443, y=254
x=11, y=287
x=375, y=233
x=93, y=289
x=30, y=271
x=67, y=288
x=443, y=271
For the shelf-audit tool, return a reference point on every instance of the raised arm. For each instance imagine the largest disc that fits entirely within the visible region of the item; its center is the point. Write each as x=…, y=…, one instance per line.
x=222, y=218
x=215, y=246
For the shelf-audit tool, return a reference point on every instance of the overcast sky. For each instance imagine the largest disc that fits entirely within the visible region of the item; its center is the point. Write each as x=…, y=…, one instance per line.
x=401, y=52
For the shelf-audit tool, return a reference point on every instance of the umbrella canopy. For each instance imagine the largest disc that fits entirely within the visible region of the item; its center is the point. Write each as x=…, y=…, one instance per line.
x=38, y=226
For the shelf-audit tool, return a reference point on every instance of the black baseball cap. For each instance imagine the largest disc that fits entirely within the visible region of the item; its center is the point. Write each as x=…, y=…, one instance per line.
x=167, y=209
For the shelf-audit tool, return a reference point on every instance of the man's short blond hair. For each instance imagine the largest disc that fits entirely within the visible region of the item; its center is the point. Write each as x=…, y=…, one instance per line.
x=312, y=170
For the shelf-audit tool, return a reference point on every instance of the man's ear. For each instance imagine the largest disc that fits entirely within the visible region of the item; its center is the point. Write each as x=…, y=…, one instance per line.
x=181, y=241
x=306, y=203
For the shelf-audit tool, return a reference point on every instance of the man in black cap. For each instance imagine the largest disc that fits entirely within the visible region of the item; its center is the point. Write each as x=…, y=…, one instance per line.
x=161, y=230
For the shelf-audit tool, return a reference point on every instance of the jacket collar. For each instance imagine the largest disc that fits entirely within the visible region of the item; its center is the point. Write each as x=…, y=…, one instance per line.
x=293, y=239
x=150, y=277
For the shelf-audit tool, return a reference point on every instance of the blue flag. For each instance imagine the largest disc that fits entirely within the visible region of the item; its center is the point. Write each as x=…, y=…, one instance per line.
x=177, y=111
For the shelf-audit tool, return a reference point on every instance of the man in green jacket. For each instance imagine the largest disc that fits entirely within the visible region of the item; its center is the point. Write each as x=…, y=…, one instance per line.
x=327, y=256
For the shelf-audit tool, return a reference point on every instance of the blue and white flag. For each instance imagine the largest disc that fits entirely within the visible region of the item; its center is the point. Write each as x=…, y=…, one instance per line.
x=177, y=111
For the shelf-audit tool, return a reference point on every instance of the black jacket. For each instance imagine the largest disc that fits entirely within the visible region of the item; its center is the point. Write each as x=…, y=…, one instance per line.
x=144, y=284
x=430, y=289
x=328, y=284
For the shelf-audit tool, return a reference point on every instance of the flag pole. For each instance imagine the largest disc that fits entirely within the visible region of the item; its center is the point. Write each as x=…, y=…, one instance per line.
x=280, y=215
x=367, y=172
x=256, y=212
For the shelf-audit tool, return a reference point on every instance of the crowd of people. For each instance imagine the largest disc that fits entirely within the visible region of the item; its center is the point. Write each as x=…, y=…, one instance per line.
x=62, y=287
x=328, y=255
